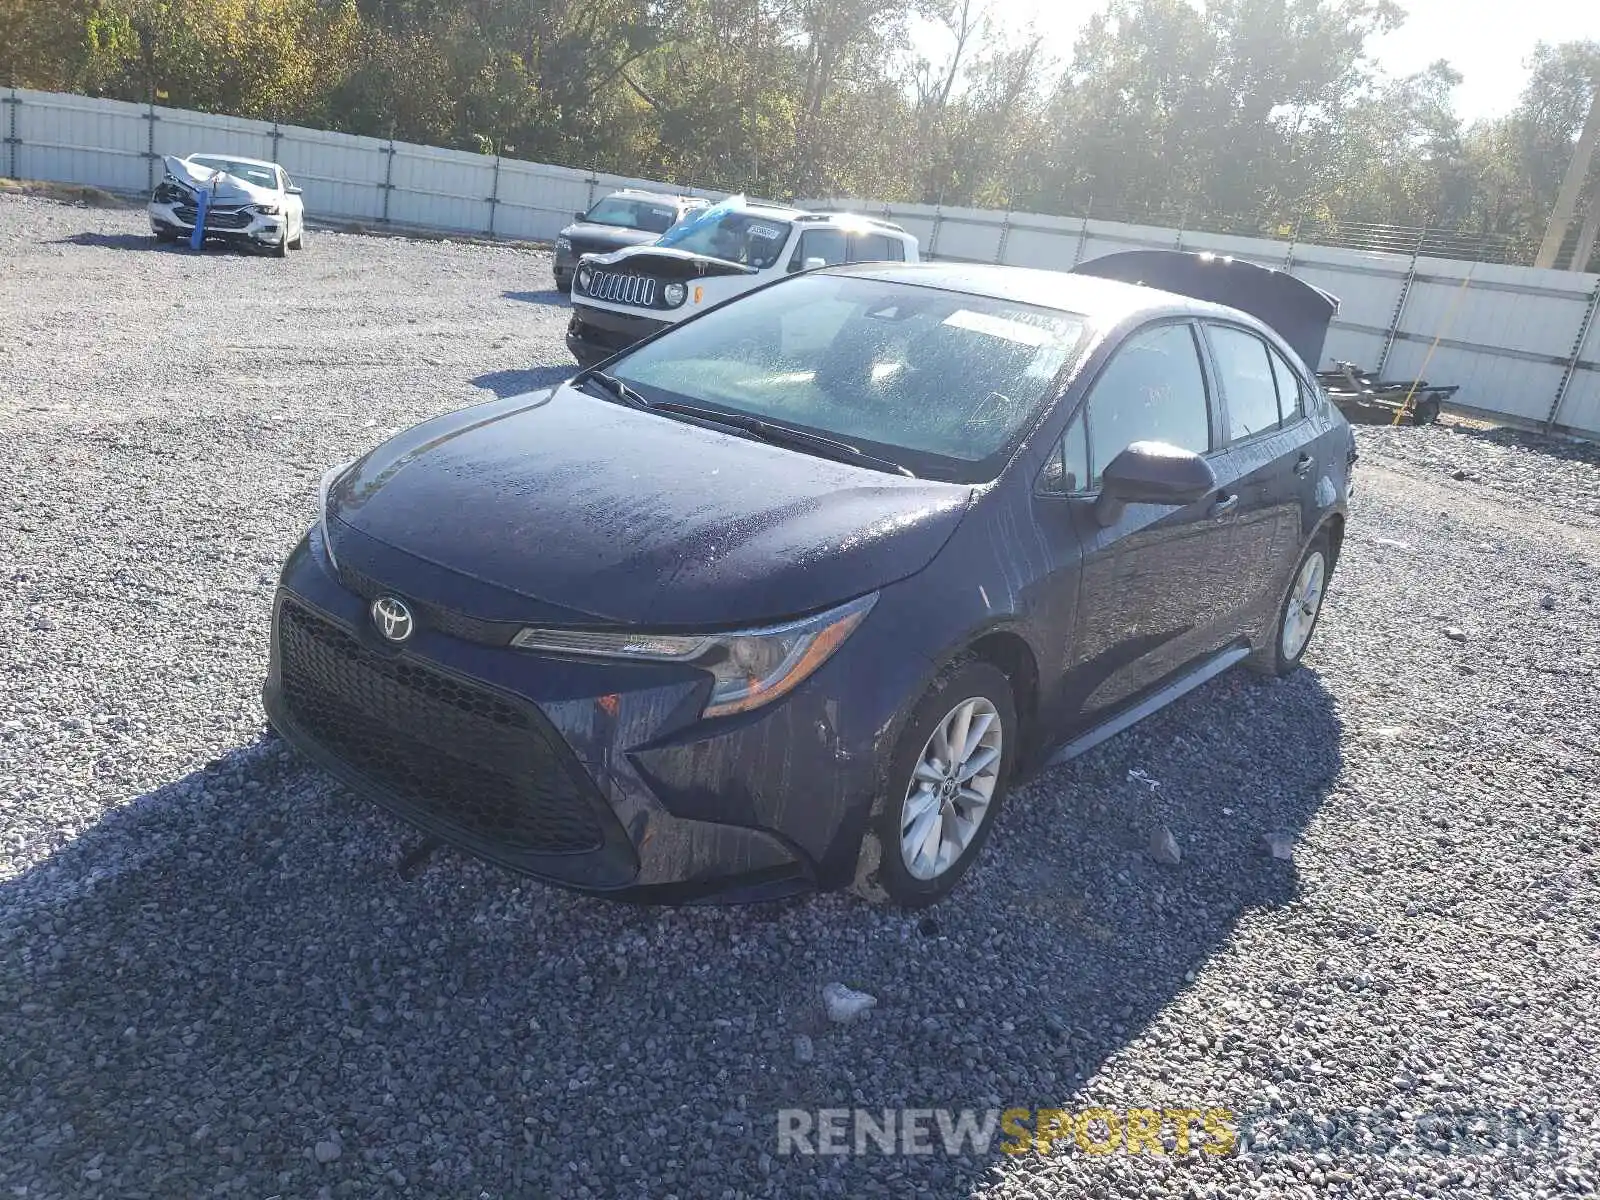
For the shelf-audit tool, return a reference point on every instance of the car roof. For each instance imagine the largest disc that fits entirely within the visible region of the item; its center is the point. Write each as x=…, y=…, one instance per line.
x=1085, y=295
x=660, y=197
x=235, y=158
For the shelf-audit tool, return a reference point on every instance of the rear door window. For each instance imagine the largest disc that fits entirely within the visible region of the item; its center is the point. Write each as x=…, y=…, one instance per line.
x=1248, y=382
x=827, y=244
x=1291, y=392
x=875, y=247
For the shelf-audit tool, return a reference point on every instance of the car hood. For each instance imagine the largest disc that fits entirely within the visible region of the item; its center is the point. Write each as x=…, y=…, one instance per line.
x=225, y=188
x=594, y=512
x=670, y=262
x=607, y=235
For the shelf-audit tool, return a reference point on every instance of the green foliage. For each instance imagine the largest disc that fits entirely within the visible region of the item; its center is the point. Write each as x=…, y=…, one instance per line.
x=1250, y=115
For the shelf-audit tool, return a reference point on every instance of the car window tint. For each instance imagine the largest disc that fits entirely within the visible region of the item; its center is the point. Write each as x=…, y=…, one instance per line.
x=826, y=244
x=1247, y=382
x=1291, y=393
x=874, y=247
x=1153, y=390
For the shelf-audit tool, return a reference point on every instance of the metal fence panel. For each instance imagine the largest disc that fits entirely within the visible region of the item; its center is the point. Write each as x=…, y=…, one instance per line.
x=182, y=133
x=441, y=189
x=342, y=175
x=75, y=139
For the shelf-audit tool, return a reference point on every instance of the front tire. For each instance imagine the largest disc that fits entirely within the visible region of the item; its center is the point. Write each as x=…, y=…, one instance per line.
x=945, y=787
x=1299, y=612
x=299, y=242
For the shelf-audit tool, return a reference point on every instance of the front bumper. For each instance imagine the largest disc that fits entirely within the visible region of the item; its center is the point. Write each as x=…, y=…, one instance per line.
x=238, y=225
x=598, y=333
x=590, y=775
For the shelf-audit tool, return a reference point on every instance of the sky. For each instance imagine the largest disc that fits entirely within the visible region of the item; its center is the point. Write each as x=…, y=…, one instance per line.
x=1487, y=41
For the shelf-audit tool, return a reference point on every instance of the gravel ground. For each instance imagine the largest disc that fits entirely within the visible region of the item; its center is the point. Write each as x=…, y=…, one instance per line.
x=212, y=981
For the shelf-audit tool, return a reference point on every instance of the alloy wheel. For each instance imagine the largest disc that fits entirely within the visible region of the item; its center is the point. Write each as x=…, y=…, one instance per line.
x=1305, y=601
x=951, y=788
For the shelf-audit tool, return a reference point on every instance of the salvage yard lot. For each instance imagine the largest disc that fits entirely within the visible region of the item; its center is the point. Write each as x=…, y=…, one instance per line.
x=212, y=982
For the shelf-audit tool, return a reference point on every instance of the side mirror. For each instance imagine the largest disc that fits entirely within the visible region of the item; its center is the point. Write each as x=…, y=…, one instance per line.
x=813, y=264
x=292, y=190
x=1152, y=473
x=578, y=216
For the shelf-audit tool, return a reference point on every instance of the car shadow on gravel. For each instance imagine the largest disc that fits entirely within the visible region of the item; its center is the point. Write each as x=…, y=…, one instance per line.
x=1565, y=449
x=120, y=241
x=527, y=379
x=225, y=982
x=145, y=241
x=550, y=297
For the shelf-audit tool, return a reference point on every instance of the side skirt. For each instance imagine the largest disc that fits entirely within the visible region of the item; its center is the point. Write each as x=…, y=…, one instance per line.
x=1207, y=670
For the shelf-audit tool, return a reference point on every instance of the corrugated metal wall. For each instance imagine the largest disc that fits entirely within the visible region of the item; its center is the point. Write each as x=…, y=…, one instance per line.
x=1521, y=342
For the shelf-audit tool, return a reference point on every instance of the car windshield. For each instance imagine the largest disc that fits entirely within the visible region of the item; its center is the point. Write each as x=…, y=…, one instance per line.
x=249, y=172
x=942, y=383
x=650, y=216
x=747, y=238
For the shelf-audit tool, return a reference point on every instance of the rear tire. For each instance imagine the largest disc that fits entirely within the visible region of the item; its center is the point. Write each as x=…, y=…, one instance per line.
x=1298, y=613
x=165, y=236
x=940, y=801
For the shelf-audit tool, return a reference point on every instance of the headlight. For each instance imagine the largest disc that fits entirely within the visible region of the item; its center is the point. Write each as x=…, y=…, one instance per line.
x=564, y=244
x=674, y=294
x=269, y=210
x=748, y=668
x=329, y=479
x=582, y=278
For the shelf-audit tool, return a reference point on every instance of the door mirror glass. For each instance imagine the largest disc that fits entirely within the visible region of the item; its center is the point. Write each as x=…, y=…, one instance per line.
x=1153, y=473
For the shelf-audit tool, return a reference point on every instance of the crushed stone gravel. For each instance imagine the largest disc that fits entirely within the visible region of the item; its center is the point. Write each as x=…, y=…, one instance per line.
x=212, y=982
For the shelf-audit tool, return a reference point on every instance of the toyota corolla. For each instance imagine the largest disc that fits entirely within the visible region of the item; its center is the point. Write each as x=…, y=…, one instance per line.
x=788, y=596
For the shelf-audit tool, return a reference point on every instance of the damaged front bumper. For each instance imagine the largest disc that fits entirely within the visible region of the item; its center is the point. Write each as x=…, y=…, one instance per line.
x=240, y=225
x=592, y=775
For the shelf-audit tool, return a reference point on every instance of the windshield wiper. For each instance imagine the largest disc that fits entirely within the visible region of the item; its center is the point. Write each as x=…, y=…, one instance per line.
x=785, y=435
x=611, y=385
x=756, y=427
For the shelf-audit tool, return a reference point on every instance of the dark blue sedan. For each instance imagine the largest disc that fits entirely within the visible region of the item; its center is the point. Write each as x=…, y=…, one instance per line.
x=787, y=596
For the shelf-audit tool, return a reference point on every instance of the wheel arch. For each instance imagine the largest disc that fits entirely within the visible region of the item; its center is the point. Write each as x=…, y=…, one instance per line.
x=1009, y=652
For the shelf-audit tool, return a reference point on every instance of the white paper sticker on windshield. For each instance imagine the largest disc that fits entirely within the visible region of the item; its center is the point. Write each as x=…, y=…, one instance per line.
x=1001, y=327
x=765, y=231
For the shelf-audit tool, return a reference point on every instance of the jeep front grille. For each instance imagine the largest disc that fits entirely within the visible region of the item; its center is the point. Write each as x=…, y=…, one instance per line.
x=621, y=288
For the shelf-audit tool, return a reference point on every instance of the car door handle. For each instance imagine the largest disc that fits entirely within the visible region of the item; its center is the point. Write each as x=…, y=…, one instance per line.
x=1225, y=505
x=1304, y=464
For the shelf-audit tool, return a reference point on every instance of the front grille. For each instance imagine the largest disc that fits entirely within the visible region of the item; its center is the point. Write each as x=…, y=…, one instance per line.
x=622, y=288
x=434, y=616
x=474, y=766
x=216, y=218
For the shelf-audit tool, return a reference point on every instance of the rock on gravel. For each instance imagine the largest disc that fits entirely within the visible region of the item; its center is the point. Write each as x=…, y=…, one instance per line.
x=1164, y=847
x=844, y=1004
x=197, y=930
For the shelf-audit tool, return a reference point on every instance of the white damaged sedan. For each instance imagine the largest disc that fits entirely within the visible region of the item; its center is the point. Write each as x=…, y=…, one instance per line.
x=248, y=202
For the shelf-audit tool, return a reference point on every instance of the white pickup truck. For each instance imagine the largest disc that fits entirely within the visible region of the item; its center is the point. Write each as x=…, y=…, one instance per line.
x=712, y=256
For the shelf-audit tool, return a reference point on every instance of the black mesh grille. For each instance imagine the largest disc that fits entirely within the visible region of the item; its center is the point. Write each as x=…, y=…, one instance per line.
x=463, y=760
x=216, y=218
x=471, y=629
